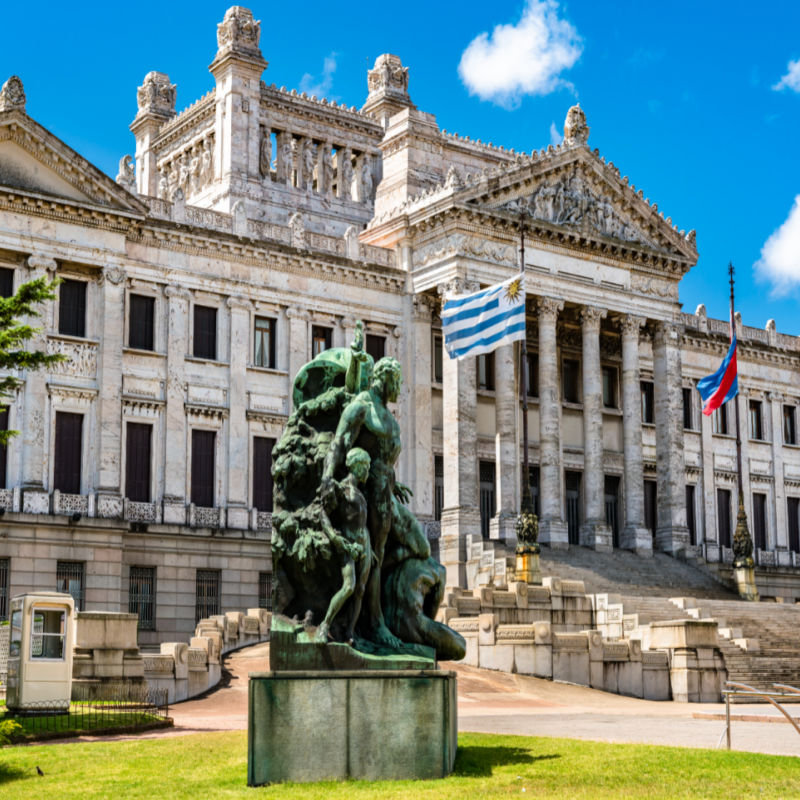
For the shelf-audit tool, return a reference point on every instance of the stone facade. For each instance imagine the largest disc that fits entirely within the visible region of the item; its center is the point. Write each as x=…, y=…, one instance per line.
x=258, y=203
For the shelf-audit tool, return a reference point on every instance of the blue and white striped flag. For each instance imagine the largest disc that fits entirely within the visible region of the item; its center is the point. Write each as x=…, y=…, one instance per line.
x=481, y=322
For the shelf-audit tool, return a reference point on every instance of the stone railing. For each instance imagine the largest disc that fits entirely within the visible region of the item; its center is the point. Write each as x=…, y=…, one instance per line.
x=70, y=503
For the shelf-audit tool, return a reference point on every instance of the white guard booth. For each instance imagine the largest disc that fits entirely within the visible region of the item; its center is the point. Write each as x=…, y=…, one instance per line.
x=40, y=651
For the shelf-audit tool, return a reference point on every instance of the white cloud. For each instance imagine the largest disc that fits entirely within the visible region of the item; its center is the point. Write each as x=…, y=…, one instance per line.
x=526, y=58
x=780, y=256
x=555, y=135
x=320, y=85
x=791, y=80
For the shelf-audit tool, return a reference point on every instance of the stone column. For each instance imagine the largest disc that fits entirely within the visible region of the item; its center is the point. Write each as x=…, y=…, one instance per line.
x=461, y=517
x=297, y=344
x=672, y=535
x=709, y=489
x=109, y=400
x=421, y=408
x=34, y=405
x=552, y=526
x=175, y=466
x=503, y=525
x=238, y=430
x=635, y=536
x=780, y=539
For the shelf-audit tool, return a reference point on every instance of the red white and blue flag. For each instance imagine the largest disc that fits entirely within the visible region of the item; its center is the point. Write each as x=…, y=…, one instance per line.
x=723, y=385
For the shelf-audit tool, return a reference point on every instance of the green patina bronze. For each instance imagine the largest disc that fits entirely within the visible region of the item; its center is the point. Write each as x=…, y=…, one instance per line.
x=352, y=564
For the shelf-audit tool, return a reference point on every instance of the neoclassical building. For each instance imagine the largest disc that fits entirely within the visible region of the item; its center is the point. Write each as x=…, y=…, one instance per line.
x=251, y=231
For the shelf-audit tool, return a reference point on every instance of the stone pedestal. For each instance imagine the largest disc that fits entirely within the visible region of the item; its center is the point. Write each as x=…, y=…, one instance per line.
x=527, y=567
x=745, y=578
x=376, y=725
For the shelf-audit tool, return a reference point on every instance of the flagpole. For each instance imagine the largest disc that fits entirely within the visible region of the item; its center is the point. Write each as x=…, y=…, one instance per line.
x=736, y=400
x=526, y=481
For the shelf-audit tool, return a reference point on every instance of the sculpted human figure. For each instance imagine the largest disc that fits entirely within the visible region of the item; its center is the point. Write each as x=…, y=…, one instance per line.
x=286, y=158
x=346, y=176
x=207, y=159
x=326, y=171
x=163, y=184
x=308, y=165
x=265, y=154
x=366, y=180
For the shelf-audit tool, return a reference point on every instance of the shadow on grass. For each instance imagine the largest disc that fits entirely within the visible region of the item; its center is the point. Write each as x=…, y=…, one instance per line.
x=9, y=773
x=477, y=762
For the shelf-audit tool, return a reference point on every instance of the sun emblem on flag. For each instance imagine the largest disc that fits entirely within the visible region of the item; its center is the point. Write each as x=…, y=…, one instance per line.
x=514, y=290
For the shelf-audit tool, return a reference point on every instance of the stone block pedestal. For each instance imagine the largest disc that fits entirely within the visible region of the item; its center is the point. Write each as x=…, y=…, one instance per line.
x=364, y=725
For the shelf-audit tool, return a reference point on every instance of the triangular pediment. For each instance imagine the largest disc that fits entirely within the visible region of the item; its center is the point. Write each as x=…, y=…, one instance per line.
x=573, y=191
x=35, y=161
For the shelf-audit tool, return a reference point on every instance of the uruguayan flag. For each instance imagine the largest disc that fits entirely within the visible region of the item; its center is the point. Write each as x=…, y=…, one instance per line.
x=481, y=322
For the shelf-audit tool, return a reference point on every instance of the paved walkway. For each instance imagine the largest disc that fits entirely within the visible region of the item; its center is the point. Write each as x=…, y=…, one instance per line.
x=497, y=702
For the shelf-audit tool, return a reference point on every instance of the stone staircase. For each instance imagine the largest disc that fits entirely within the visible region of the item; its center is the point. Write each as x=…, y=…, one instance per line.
x=623, y=572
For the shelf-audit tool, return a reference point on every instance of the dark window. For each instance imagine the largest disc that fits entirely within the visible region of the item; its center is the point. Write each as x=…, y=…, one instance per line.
x=6, y=282
x=376, y=346
x=533, y=374
x=533, y=482
x=724, y=517
x=320, y=339
x=3, y=448
x=793, y=510
x=203, y=468
x=691, y=521
x=610, y=387
x=651, y=506
x=262, y=473
x=4, y=570
x=206, y=593
x=438, y=366
x=720, y=419
x=759, y=521
x=72, y=308
x=265, y=590
x=137, y=461
x=789, y=425
x=612, y=506
x=486, y=371
x=571, y=370
x=756, y=430
x=67, y=472
x=142, y=596
x=264, y=348
x=69, y=580
x=572, y=493
x=205, y=332
x=487, y=487
x=141, y=322
x=687, y=409
x=438, y=487
x=648, y=404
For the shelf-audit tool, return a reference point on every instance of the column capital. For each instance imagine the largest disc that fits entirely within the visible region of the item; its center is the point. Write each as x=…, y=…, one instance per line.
x=549, y=307
x=239, y=302
x=591, y=316
x=114, y=275
x=776, y=397
x=295, y=312
x=177, y=292
x=631, y=324
x=457, y=286
x=667, y=332
x=38, y=261
x=425, y=306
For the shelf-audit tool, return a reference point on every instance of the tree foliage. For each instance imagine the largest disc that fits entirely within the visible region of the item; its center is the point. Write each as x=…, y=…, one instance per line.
x=14, y=333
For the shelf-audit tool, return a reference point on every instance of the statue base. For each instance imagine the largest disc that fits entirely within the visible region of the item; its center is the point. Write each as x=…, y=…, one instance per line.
x=745, y=577
x=527, y=567
x=362, y=725
x=293, y=646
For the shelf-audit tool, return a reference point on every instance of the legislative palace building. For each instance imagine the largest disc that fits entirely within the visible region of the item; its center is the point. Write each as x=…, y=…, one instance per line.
x=251, y=231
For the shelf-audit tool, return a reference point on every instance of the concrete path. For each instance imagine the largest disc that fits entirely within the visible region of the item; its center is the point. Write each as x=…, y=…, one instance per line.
x=497, y=702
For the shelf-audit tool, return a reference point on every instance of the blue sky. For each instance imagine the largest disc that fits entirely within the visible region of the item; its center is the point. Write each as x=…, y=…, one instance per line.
x=681, y=96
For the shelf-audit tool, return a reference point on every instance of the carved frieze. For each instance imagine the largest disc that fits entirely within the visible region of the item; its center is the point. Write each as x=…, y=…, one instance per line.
x=459, y=244
x=80, y=361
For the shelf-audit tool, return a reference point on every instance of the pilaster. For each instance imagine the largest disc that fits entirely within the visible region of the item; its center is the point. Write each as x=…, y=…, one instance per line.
x=552, y=526
x=778, y=522
x=297, y=342
x=421, y=408
x=503, y=525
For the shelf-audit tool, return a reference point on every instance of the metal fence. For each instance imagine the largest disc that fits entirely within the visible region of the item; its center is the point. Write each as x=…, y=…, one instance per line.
x=94, y=709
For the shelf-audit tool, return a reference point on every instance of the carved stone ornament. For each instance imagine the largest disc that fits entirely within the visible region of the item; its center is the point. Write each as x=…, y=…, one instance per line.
x=113, y=275
x=460, y=244
x=156, y=95
x=126, y=177
x=12, y=95
x=576, y=131
x=572, y=201
x=549, y=307
x=239, y=32
x=388, y=76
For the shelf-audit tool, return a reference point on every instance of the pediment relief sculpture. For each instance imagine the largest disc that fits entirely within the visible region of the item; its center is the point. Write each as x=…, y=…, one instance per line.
x=463, y=245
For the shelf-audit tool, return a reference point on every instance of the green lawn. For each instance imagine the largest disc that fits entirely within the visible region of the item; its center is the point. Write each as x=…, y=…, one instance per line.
x=214, y=765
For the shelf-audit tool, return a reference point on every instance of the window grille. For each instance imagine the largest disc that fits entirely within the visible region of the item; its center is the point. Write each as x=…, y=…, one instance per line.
x=70, y=580
x=265, y=590
x=142, y=596
x=206, y=594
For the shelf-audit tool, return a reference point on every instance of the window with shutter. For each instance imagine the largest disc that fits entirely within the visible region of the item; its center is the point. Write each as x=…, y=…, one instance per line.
x=67, y=473
x=376, y=346
x=141, y=317
x=72, y=308
x=321, y=338
x=203, y=468
x=205, y=332
x=264, y=347
x=137, y=462
x=6, y=282
x=262, y=473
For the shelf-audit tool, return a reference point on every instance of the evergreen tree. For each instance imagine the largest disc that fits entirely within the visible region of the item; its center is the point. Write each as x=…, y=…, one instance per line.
x=14, y=334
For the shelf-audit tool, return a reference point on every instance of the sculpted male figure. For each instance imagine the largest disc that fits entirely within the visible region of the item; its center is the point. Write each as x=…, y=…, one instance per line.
x=367, y=423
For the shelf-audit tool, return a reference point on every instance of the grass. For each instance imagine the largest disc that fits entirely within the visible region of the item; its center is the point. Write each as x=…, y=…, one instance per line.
x=82, y=721
x=487, y=766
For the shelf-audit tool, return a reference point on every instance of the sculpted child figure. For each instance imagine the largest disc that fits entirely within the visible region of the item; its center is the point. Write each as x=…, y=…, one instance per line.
x=353, y=543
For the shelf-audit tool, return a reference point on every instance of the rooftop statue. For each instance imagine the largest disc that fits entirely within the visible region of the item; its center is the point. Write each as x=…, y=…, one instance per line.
x=349, y=558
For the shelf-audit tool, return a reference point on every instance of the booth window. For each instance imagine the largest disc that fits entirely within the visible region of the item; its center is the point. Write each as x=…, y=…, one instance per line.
x=15, y=640
x=47, y=633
